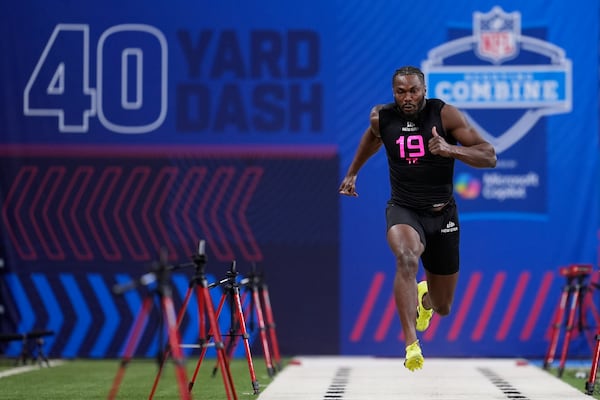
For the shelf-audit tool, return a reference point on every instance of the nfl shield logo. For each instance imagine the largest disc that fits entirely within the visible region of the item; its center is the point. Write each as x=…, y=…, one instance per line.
x=497, y=34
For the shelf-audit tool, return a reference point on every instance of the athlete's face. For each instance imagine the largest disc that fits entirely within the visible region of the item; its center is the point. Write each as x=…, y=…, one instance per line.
x=409, y=93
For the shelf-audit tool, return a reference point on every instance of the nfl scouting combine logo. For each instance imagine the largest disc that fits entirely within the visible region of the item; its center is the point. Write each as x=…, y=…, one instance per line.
x=505, y=80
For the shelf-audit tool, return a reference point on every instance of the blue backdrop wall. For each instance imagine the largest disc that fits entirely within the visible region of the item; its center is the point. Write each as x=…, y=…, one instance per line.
x=131, y=126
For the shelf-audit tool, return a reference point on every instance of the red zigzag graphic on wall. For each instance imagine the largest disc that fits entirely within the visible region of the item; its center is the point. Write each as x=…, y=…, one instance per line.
x=369, y=315
x=116, y=213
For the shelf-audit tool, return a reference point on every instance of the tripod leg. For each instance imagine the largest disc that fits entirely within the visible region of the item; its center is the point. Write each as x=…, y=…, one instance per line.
x=130, y=345
x=166, y=354
x=174, y=343
x=219, y=308
x=41, y=356
x=270, y=321
x=591, y=382
x=198, y=364
x=557, y=324
x=234, y=329
x=230, y=342
x=221, y=356
x=24, y=354
x=203, y=332
x=569, y=329
x=242, y=324
x=263, y=333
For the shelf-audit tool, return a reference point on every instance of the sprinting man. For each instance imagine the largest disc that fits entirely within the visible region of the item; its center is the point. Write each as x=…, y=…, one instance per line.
x=422, y=138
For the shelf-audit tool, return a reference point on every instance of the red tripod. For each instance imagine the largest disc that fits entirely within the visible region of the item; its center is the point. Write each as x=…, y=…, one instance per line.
x=260, y=304
x=591, y=382
x=263, y=291
x=231, y=293
x=199, y=284
x=163, y=292
x=574, y=290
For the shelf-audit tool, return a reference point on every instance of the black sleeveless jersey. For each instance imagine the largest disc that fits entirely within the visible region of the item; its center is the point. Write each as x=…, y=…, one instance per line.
x=419, y=179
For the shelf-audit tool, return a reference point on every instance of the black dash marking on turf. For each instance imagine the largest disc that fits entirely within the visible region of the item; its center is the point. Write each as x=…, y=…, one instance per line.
x=509, y=390
x=337, y=388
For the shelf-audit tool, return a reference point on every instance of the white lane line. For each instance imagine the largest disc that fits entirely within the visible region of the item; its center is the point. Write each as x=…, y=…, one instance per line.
x=28, y=368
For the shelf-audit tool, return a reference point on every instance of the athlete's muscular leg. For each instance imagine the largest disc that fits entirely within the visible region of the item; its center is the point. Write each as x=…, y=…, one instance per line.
x=406, y=246
x=441, y=292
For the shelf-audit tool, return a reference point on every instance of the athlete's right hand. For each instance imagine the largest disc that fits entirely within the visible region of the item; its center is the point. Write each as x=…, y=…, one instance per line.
x=348, y=186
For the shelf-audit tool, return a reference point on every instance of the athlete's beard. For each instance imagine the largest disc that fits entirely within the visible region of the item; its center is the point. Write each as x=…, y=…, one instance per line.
x=419, y=106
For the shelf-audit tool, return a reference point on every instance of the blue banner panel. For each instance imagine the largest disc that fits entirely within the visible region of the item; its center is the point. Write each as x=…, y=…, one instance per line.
x=516, y=311
x=521, y=78
x=78, y=220
x=178, y=73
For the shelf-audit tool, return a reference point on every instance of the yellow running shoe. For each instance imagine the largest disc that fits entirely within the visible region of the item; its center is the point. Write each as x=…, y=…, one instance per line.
x=423, y=315
x=414, y=358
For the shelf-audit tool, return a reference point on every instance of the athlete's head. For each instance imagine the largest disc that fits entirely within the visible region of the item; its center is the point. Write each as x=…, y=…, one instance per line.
x=408, y=87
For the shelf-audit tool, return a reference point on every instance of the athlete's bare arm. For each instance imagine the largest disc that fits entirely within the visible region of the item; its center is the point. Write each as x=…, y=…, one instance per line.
x=473, y=149
x=370, y=143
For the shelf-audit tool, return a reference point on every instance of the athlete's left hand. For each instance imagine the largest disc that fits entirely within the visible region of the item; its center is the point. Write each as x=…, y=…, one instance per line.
x=438, y=146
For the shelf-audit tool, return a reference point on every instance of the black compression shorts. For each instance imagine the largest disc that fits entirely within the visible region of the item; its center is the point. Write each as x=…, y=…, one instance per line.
x=439, y=232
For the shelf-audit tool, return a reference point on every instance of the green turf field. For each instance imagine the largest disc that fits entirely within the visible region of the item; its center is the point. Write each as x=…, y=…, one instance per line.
x=571, y=376
x=92, y=379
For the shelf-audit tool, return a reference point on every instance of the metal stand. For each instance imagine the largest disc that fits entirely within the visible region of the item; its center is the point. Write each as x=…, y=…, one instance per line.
x=591, y=382
x=263, y=291
x=27, y=339
x=260, y=305
x=231, y=293
x=199, y=285
x=163, y=293
x=574, y=290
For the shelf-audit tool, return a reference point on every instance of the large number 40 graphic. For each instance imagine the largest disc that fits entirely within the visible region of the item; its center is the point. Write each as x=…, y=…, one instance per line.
x=131, y=79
